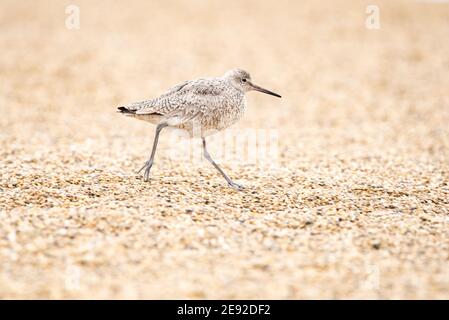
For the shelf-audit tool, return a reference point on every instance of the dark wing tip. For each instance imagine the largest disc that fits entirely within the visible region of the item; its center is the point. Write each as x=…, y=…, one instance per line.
x=125, y=110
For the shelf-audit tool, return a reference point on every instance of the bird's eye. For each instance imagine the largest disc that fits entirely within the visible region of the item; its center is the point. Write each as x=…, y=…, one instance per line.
x=244, y=80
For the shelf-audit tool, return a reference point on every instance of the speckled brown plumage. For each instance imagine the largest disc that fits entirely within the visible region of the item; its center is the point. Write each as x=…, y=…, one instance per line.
x=201, y=106
x=212, y=103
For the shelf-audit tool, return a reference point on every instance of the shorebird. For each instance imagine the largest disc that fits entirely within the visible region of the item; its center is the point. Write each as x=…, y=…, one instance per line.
x=207, y=105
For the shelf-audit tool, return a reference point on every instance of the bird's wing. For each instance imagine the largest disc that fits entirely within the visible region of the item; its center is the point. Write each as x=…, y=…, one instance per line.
x=175, y=89
x=151, y=105
x=186, y=101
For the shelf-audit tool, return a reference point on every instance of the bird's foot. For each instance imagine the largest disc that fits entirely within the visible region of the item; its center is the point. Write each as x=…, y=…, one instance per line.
x=146, y=174
x=235, y=186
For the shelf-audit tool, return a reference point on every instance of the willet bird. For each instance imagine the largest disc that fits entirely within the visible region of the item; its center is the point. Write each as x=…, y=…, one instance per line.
x=204, y=105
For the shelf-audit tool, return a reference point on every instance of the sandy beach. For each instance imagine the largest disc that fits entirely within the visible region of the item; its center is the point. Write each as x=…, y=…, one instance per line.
x=352, y=201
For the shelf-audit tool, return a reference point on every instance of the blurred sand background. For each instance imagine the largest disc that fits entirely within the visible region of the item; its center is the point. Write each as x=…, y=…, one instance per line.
x=357, y=206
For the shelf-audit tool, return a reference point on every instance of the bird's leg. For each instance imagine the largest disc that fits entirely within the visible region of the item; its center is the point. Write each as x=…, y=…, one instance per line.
x=147, y=166
x=208, y=157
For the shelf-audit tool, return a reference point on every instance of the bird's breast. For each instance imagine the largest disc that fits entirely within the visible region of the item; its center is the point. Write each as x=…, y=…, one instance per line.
x=230, y=111
x=218, y=113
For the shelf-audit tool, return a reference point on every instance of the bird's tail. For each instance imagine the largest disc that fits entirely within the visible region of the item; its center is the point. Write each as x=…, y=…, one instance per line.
x=125, y=110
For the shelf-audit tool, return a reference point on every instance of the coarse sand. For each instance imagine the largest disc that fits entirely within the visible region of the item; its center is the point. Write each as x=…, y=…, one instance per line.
x=351, y=201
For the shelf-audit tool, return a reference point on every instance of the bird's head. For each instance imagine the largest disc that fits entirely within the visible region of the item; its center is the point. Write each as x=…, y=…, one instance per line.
x=241, y=80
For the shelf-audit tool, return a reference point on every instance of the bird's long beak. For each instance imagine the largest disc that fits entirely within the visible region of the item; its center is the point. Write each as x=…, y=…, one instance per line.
x=260, y=89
